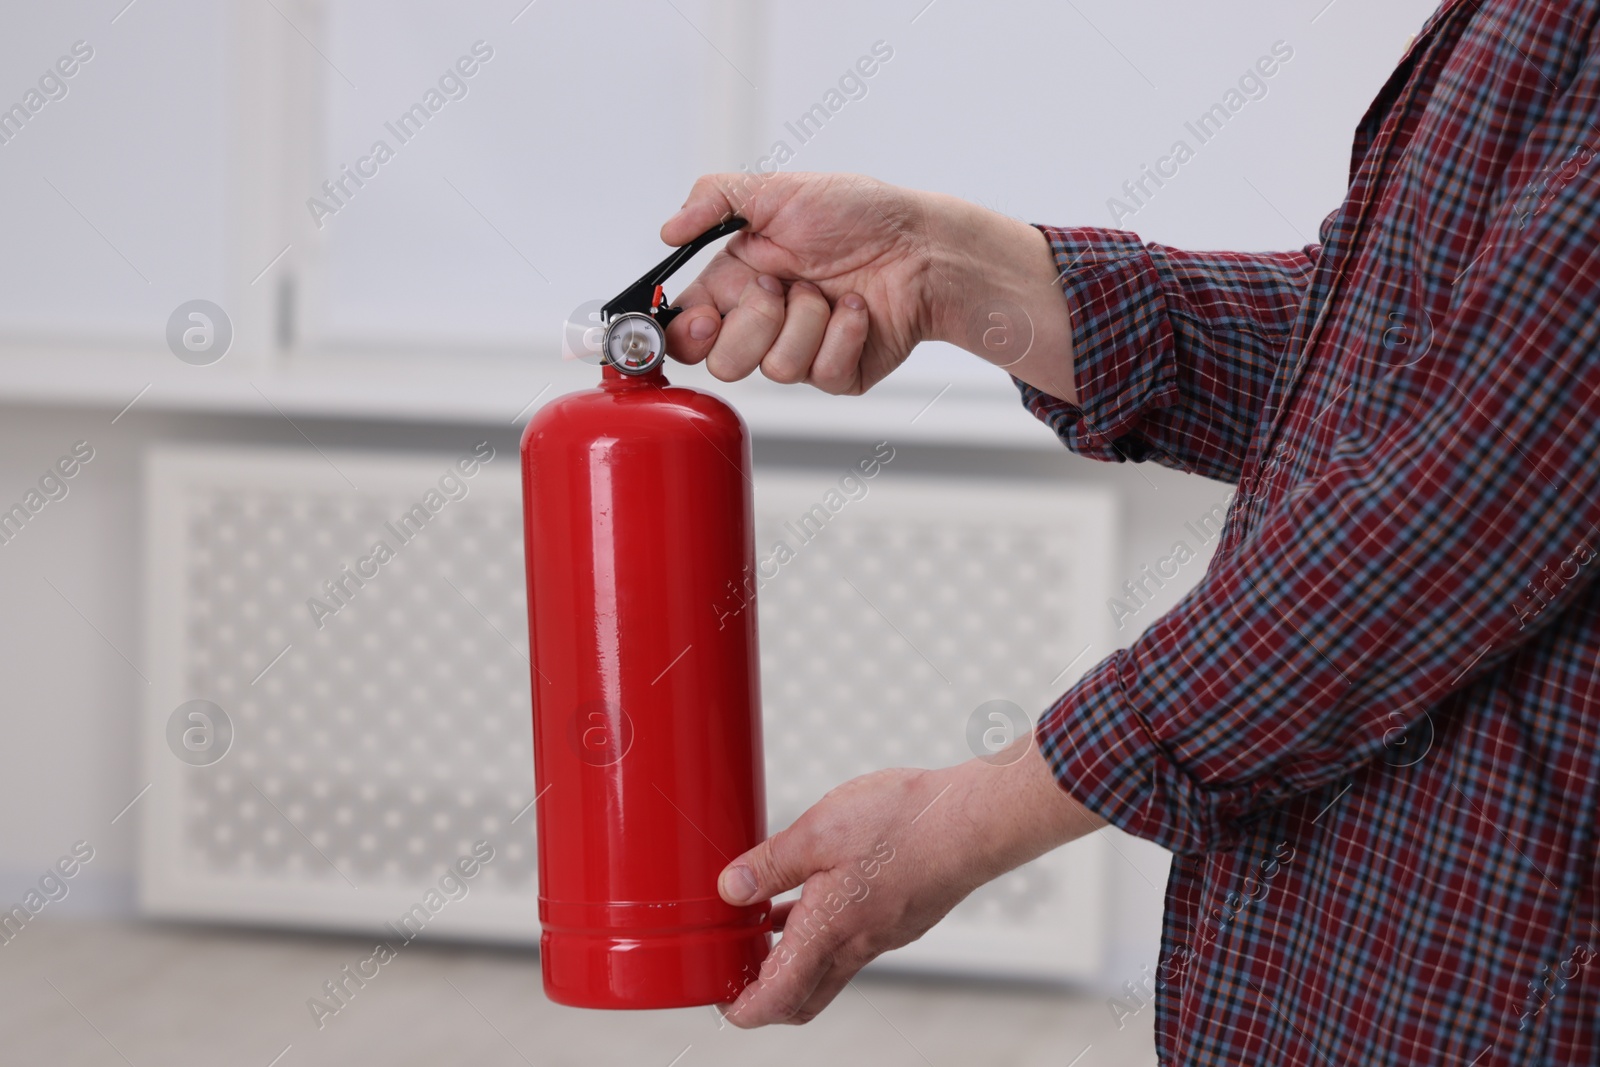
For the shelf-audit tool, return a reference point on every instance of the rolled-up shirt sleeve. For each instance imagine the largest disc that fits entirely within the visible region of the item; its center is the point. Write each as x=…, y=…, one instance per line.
x=1454, y=518
x=1173, y=351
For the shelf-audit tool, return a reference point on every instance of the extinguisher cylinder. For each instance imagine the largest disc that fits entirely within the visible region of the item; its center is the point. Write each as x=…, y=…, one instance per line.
x=646, y=706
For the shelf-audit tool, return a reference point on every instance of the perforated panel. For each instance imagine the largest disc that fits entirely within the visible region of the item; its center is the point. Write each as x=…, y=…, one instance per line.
x=889, y=627
x=377, y=737
x=379, y=732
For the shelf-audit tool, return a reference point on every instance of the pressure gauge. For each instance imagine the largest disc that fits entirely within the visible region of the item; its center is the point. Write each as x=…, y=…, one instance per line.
x=635, y=343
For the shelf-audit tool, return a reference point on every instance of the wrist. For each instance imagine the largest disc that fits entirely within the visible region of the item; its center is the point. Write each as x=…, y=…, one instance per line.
x=994, y=290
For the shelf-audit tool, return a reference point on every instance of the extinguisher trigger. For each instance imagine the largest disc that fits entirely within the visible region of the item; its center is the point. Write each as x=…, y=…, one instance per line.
x=667, y=314
x=645, y=294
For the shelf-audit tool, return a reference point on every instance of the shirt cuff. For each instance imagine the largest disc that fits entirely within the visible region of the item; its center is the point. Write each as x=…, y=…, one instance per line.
x=1124, y=366
x=1103, y=751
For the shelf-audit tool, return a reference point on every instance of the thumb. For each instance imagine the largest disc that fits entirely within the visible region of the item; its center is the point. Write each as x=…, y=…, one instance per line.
x=775, y=865
x=716, y=197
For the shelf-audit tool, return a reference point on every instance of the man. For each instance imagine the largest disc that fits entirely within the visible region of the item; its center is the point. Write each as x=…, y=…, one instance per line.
x=1369, y=735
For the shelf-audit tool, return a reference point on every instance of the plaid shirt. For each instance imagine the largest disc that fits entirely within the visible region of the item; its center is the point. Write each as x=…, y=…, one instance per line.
x=1371, y=734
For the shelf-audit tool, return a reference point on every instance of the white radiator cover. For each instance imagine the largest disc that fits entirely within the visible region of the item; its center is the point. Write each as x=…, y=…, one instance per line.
x=372, y=752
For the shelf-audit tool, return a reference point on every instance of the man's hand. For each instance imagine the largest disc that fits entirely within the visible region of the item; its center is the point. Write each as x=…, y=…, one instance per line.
x=883, y=858
x=838, y=277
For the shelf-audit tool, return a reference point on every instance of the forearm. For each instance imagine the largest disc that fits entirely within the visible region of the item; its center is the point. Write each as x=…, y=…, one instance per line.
x=1009, y=809
x=994, y=289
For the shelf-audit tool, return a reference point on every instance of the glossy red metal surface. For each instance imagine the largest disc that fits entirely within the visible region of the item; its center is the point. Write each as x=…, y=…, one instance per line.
x=647, y=729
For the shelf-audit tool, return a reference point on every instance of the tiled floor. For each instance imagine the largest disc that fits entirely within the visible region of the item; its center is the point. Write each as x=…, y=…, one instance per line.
x=91, y=994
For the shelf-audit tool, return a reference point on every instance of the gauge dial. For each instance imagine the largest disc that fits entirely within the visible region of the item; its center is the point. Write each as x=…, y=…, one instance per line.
x=635, y=343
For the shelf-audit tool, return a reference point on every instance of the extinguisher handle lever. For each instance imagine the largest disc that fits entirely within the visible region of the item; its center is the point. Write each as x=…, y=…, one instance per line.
x=640, y=296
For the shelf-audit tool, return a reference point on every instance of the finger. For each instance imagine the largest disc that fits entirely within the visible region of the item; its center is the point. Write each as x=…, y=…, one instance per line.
x=774, y=866
x=715, y=197
x=805, y=321
x=748, y=331
x=797, y=965
x=837, y=368
x=830, y=986
x=778, y=994
x=691, y=334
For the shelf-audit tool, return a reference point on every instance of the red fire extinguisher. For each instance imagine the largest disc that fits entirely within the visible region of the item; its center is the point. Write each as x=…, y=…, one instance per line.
x=647, y=729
